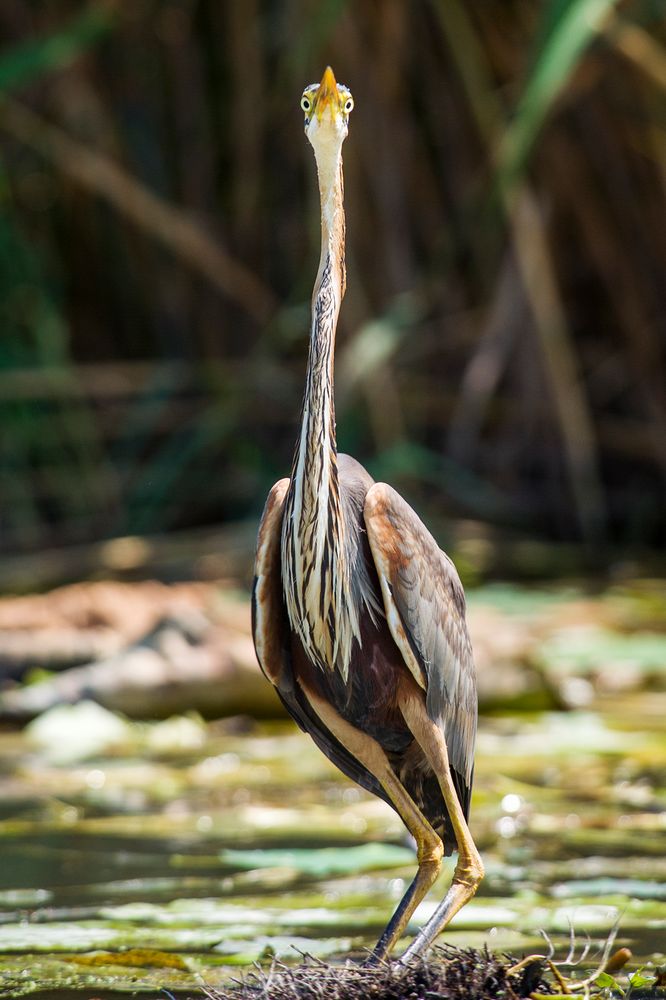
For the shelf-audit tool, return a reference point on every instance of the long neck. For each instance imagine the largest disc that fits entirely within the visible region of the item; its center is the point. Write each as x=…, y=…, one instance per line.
x=315, y=559
x=315, y=459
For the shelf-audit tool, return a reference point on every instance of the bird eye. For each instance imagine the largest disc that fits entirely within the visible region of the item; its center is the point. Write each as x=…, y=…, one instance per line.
x=306, y=103
x=349, y=104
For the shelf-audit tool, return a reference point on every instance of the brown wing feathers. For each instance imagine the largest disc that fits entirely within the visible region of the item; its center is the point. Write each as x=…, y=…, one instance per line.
x=425, y=611
x=426, y=614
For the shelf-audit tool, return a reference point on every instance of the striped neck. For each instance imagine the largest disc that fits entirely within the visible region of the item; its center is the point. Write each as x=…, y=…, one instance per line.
x=315, y=565
x=317, y=441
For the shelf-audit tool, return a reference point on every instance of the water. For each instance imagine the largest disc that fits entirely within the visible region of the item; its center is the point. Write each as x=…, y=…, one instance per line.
x=170, y=855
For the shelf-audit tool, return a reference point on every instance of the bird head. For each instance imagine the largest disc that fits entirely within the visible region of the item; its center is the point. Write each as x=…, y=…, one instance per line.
x=326, y=107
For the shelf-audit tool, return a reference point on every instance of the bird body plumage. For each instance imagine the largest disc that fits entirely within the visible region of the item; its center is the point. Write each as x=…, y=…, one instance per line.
x=366, y=692
x=358, y=616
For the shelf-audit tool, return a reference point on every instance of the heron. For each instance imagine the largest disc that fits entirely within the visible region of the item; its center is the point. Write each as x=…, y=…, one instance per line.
x=358, y=617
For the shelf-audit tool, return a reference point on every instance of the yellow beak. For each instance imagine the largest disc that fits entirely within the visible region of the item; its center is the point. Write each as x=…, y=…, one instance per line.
x=327, y=94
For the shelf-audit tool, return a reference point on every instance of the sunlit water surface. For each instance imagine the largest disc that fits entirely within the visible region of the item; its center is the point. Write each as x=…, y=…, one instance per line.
x=189, y=850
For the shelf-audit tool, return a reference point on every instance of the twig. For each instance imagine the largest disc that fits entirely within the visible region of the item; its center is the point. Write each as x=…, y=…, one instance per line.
x=604, y=960
x=567, y=987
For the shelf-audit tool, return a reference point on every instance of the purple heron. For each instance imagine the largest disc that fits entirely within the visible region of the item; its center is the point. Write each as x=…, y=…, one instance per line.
x=358, y=616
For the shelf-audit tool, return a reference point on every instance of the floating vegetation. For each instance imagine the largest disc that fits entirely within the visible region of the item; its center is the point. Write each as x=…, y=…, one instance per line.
x=173, y=855
x=243, y=845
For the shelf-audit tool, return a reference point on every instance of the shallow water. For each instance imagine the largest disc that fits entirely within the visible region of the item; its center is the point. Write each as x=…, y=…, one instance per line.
x=173, y=853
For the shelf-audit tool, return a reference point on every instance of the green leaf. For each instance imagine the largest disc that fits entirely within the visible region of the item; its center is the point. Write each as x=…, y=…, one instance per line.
x=637, y=979
x=606, y=981
x=567, y=29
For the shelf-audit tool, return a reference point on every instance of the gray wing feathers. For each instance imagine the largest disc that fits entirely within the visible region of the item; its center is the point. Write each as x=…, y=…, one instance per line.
x=425, y=610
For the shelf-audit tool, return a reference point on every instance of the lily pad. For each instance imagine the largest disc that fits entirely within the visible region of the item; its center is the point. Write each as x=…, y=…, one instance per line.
x=632, y=887
x=282, y=947
x=323, y=861
x=582, y=649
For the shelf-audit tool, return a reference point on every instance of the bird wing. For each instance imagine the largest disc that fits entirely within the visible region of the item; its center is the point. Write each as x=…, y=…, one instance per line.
x=268, y=612
x=272, y=642
x=425, y=610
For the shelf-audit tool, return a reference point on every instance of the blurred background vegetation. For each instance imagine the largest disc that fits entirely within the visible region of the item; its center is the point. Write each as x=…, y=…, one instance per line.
x=501, y=351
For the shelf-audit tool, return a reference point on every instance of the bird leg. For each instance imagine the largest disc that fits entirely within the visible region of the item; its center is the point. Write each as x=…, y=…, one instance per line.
x=469, y=869
x=430, y=849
